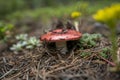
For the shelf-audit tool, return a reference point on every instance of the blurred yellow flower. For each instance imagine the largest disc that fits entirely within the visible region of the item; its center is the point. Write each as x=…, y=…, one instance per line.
x=99, y=16
x=116, y=8
x=108, y=14
x=75, y=14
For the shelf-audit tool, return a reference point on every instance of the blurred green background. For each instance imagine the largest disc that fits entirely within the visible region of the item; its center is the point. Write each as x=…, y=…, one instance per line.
x=18, y=9
x=9, y=6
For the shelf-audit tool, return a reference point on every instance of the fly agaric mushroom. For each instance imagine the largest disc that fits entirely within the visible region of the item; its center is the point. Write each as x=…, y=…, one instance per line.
x=59, y=36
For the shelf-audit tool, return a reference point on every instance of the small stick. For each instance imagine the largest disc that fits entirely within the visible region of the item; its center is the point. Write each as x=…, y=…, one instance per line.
x=38, y=66
x=61, y=68
x=7, y=73
x=111, y=63
x=4, y=60
x=27, y=77
x=17, y=74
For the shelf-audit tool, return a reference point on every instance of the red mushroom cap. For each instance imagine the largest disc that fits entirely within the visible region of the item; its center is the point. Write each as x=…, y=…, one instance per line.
x=60, y=35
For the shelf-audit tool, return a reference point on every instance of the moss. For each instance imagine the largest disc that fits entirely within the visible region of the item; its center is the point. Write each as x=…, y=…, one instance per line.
x=88, y=40
x=104, y=52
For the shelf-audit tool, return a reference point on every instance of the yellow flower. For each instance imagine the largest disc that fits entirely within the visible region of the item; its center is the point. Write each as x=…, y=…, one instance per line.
x=116, y=8
x=108, y=14
x=99, y=16
x=75, y=14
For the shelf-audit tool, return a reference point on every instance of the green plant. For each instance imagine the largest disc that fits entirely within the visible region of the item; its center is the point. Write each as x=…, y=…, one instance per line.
x=22, y=37
x=88, y=40
x=85, y=54
x=32, y=42
x=104, y=52
x=4, y=29
x=111, y=20
x=25, y=43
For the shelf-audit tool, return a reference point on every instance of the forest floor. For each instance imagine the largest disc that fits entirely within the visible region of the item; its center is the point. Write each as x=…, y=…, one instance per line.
x=41, y=64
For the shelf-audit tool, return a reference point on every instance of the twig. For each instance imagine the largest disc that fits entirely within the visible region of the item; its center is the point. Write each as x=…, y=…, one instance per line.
x=7, y=73
x=74, y=60
x=4, y=60
x=71, y=55
x=38, y=66
x=91, y=50
x=11, y=78
x=70, y=76
x=57, y=65
x=58, y=69
x=111, y=63
x=27, y=76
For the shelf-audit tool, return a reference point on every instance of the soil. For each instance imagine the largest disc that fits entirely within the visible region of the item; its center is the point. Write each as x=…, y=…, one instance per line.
x=43, y=64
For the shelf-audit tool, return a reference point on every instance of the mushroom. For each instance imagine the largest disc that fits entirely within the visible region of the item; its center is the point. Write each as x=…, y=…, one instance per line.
x=59, y=36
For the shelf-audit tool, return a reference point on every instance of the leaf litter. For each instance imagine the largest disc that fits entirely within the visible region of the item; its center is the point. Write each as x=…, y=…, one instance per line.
x=42, y=64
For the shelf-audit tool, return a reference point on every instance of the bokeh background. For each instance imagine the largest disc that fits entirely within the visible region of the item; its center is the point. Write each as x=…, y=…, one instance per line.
x=37, y=8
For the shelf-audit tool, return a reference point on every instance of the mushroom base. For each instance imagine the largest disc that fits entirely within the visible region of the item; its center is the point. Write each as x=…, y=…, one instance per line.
x=62, y=47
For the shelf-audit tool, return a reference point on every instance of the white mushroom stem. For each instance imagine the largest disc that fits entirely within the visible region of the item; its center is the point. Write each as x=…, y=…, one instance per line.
x=76, y=25
x=62, y=47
